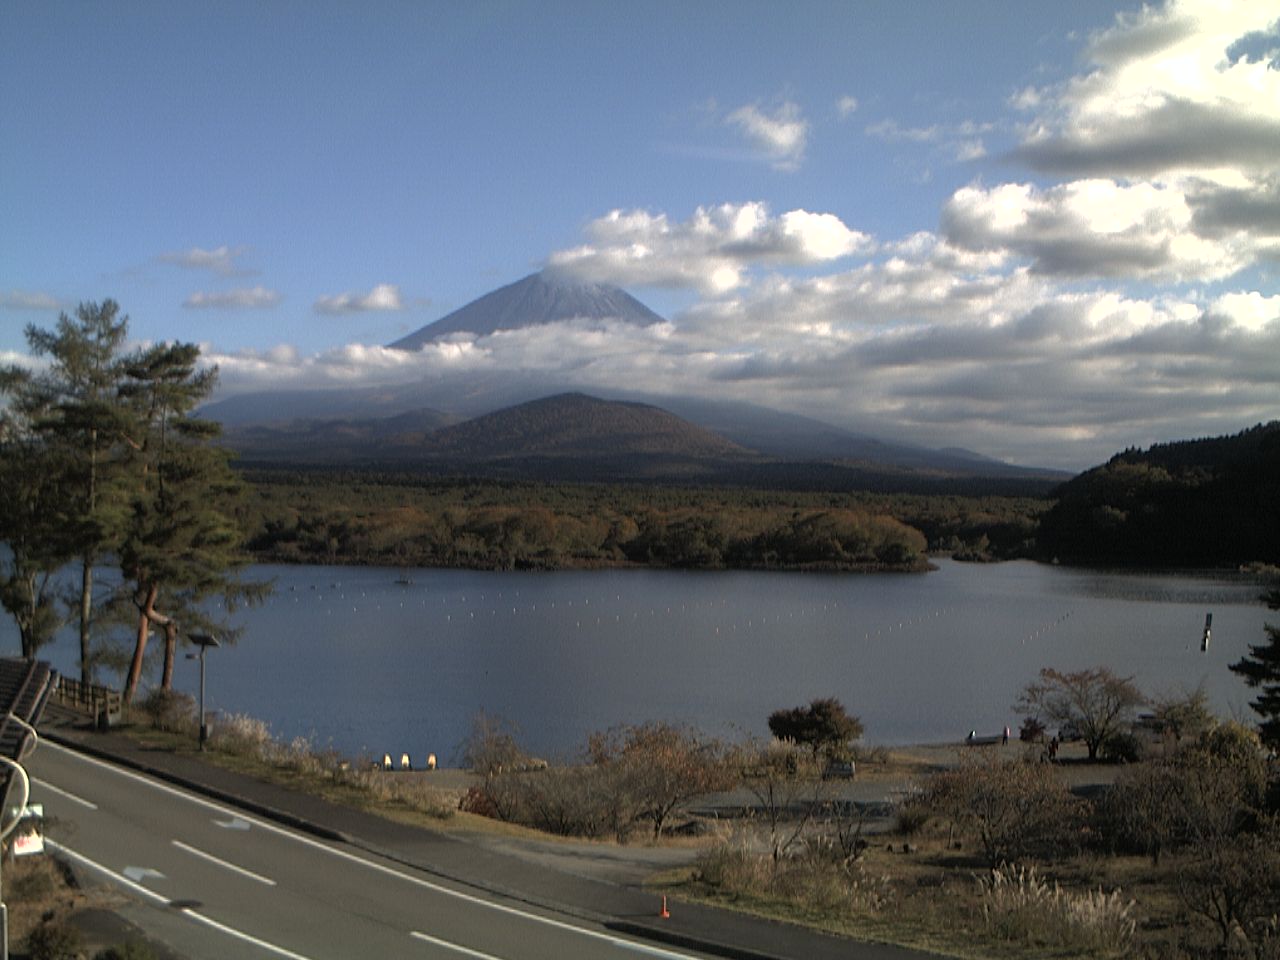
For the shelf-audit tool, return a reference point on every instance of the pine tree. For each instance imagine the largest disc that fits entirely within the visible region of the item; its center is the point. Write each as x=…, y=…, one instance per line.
x=181, y=545
x=1261, y=670
x=32, y=518
x=83, y=418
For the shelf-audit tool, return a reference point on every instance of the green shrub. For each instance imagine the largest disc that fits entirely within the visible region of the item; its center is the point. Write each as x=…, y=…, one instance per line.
x=1121, y=748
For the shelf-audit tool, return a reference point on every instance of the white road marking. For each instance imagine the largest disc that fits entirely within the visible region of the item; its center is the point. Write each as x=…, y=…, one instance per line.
x=381, y=868
x=138, y=874
x=64, y=793
x=455, y=947
x=195, y=852
x=165, y=902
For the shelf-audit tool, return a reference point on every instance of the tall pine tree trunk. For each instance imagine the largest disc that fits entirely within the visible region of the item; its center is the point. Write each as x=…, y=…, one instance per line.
x=27, y=621
x=145, y=610
x=170, y=652
x=86, y=616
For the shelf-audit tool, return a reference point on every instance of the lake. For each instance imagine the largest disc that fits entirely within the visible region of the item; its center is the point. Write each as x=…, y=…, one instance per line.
x=354, y=659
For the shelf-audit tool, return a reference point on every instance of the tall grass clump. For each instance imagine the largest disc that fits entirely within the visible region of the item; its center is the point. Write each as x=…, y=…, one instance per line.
x=243, y=736
x=1018, y=905
x=816, y=879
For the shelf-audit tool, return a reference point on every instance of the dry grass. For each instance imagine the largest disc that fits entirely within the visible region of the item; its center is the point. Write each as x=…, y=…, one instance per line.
x=1021, y=906
x=39, y=889
x=930, y=899
x=923, y=900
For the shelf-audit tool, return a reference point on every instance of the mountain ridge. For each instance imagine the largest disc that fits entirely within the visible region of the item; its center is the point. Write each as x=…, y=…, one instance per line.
x=577, y=424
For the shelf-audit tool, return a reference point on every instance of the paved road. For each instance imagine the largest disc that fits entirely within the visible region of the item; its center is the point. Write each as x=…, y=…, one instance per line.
x=223, y=884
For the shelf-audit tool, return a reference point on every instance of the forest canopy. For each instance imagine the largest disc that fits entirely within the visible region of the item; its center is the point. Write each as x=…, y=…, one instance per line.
x=1197, y=503
x=405, y=521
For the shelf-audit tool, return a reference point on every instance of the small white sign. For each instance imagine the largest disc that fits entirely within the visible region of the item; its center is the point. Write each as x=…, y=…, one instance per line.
x=28, y=838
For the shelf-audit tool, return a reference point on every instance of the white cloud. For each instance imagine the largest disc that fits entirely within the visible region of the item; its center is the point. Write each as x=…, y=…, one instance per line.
x=1171, y=93
x=963, y=141
x=1250, y=311
x=220, y=260
x=284, y=367
x=29, y=300
x=892, y=132
x=384, y=296
x=782, y=135
x=245, y=298
x=846, y=106
x=1028, y=98
x=712, y=251
x=931, y=344
x=1097, y=227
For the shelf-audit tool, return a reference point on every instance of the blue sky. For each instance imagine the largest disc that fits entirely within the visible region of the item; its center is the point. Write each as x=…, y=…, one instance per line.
x=1041, y=231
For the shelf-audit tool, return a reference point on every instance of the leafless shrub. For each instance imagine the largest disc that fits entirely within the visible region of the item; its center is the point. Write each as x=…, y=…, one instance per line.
x=1016, y=809
x=170, y=710
x=788, y=787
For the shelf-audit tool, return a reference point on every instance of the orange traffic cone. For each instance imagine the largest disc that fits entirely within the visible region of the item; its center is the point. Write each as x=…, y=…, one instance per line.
x=663, y=913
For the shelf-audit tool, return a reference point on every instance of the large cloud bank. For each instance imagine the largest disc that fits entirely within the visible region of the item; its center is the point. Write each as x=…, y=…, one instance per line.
x=1118, y=289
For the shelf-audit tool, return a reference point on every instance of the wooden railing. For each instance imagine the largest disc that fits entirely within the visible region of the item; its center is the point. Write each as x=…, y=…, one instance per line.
x=89, y=697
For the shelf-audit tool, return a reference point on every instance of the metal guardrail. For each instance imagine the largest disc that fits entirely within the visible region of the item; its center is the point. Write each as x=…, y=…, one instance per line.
x=98, y=702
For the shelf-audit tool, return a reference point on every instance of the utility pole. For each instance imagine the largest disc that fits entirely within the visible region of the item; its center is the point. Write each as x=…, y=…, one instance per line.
x=204, y=641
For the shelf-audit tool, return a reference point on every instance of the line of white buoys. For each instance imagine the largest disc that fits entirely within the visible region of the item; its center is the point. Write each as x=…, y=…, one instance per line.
x=1046, y=628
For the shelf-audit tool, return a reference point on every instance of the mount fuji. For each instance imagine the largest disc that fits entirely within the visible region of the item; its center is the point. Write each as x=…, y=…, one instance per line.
x=538, y=299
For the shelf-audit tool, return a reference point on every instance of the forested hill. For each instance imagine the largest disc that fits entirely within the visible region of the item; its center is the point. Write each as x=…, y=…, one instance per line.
x=574, y=424
x=1213, y=502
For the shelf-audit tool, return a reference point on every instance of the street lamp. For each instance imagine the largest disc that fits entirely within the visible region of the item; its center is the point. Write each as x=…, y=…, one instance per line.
x=204, y=641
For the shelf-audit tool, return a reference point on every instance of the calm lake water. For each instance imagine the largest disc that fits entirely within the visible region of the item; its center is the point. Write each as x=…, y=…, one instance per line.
x=356, y=660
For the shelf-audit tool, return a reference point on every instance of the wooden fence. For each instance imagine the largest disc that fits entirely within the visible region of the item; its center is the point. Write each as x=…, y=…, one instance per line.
x=99, y=702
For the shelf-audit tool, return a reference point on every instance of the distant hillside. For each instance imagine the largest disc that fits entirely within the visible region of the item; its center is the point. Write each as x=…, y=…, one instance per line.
x=296, y=424
x=331, y=441
x=562, y=438
x=1209, y=502
x=572, y=437
x=539, y=298
x=573, y=424
x=793, y=437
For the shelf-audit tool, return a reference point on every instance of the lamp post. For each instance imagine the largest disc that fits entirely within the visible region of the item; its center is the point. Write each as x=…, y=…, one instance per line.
x=204, y=641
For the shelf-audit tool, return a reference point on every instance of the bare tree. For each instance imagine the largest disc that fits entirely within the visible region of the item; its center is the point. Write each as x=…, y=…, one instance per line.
x=1015, y=808
x=1233, y=881
x=662, y=766
x=787, y=784
x=1096, y=702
